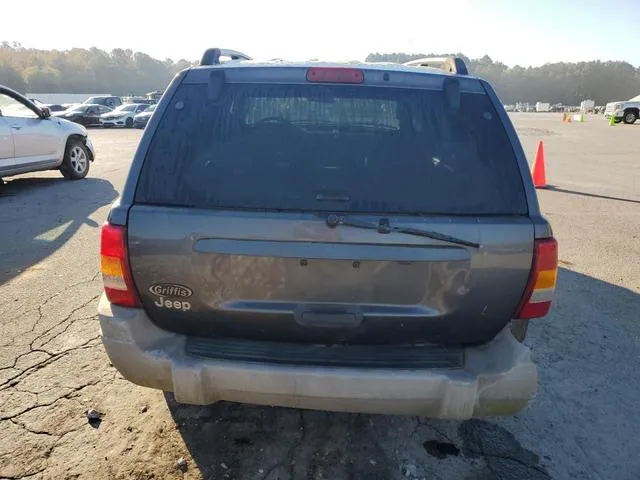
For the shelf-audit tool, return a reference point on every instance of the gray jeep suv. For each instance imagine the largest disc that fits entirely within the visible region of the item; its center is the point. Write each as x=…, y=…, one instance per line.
x=348, y=237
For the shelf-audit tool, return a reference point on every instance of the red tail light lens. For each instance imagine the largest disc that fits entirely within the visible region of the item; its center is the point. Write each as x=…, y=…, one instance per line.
x=335, y=75
x=114, y=265
x=537, y=297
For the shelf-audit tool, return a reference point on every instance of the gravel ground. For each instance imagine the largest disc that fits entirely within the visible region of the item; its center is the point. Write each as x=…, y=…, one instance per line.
x=582, y=425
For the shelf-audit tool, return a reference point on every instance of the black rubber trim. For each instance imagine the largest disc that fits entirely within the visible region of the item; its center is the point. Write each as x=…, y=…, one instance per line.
x=365, y=356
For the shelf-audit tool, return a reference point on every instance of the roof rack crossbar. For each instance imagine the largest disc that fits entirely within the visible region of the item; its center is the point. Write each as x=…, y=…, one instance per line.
x=211, y=56
x=448, y=64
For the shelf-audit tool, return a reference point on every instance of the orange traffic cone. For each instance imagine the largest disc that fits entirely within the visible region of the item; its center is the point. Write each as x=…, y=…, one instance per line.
x=538, y=173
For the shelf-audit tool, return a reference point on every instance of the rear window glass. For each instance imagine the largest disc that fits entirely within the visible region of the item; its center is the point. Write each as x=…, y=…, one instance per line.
x=328, y=148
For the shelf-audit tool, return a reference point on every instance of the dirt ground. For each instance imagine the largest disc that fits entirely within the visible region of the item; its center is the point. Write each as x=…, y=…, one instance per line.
x=53, y=369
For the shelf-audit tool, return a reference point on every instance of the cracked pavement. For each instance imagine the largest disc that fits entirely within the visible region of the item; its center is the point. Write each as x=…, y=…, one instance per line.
x=583, y=423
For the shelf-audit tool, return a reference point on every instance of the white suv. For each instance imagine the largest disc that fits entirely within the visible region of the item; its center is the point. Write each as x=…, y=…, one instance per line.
x=626, y=111
x=32, y=140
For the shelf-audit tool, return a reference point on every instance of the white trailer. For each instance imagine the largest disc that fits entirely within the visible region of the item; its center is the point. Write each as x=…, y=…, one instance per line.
x=543, y=107
x=587, y=106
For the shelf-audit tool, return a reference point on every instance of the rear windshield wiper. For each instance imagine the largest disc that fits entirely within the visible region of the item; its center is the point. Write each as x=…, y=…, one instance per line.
x=385, y=227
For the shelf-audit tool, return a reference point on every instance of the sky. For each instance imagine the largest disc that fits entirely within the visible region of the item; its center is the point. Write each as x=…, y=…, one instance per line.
x=523, y=32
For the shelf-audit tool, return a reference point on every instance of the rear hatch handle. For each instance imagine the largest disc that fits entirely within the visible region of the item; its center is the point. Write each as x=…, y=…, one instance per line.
x=383, y=226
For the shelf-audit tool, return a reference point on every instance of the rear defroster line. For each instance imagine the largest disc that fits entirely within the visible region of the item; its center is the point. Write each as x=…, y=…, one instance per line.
x=384, y=226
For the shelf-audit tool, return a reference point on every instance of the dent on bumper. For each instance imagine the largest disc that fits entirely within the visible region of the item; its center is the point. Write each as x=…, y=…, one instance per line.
x=499, y=378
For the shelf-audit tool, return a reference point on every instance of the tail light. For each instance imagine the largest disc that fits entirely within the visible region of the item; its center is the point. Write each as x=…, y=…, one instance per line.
x=537, y=297
x=114, y=265
x=335, y=75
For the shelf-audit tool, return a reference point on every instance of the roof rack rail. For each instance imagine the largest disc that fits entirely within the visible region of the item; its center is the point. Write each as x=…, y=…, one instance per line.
x=211, y=56
x=448, y=64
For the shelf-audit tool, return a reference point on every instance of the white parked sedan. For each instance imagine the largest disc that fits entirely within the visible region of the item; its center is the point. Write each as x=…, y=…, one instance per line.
x=32, y=140
x=122, y=116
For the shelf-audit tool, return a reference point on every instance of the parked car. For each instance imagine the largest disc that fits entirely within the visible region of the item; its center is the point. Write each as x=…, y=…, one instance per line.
x=52, y=107
x=32, y=140
x=141, y=119
x=145, y=100
x=349, y=237
x=55, y=107
x=624, y=111
x=84, y=114
x=108, y=101
x=123, y=115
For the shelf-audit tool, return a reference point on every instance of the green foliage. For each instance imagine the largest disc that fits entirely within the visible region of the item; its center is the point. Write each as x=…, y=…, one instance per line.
x=11, y=77
x=42, y=79
x=566, y=83
x=79, y=70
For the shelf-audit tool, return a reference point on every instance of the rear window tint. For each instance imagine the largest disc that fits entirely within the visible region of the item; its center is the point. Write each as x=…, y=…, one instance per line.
x=328, y=148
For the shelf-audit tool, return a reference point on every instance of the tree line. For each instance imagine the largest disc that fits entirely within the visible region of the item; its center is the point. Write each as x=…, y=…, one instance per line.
x=125, y=72
x=566, y=83
x=79, y=70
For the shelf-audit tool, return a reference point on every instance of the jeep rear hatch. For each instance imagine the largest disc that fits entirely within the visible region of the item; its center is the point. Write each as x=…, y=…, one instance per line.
x=234, y=234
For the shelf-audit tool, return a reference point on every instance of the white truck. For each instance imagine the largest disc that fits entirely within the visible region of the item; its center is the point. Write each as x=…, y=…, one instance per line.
x=624, y=111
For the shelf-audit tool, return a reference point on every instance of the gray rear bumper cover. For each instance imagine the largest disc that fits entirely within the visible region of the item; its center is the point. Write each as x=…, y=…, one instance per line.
x=499, y=378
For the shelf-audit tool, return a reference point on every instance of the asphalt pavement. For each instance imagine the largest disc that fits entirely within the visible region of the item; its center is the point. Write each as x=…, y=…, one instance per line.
x=583, y=424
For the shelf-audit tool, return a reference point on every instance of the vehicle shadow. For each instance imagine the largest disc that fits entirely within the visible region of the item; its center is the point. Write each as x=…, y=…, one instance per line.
x=38, y=215
x=236, y=441
x=228, y=440
x=593, y=195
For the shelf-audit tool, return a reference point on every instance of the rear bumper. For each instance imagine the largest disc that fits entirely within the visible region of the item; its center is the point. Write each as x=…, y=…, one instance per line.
x=499, y=378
